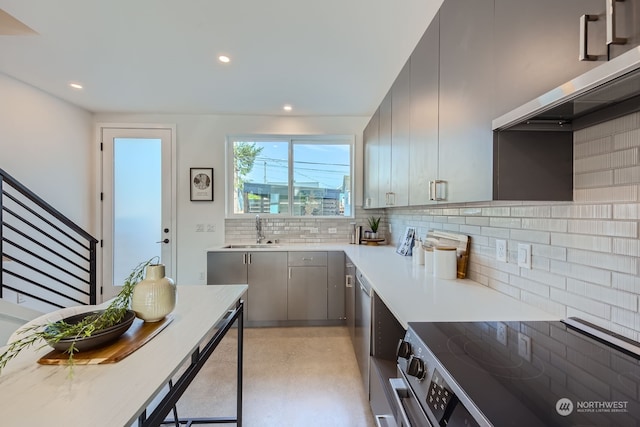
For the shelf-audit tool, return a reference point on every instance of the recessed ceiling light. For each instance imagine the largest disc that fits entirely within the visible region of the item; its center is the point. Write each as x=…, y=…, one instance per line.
x=75, y=85
x=287, y=107
x=224, y=59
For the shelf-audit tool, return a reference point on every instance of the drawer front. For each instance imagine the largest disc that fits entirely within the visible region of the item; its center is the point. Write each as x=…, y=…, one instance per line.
x=307, y=258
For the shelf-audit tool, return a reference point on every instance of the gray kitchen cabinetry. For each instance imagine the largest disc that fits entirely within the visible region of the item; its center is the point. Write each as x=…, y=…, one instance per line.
x=533, y=56
x=336, y=285
x=307, y=286
x=387, y=148
x=627, y=27
x=371, y=159
x=465, y=145
x=424, y=76
x=377, y=156
x=400, y=138
x=266, y=274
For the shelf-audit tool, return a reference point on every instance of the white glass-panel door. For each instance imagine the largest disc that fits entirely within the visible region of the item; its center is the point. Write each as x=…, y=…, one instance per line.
x=137, y=205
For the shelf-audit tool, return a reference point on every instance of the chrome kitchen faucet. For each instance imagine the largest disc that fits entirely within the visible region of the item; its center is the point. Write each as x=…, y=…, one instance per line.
x=259, y=235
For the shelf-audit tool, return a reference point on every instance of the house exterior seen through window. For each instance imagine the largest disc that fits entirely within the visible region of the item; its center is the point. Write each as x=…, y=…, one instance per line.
x=291, y=176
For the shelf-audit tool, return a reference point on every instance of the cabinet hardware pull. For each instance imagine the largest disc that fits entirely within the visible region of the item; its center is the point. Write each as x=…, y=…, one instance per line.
x=611, y=24
x=437, y=190
x=249, y=258
x=244, y=258
x=307, y=259
x=584, y=38
x=289, y=272
x=348, y=282
x=163, y=241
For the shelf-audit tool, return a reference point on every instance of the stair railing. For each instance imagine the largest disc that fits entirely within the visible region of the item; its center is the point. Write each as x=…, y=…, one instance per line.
x=47, y=259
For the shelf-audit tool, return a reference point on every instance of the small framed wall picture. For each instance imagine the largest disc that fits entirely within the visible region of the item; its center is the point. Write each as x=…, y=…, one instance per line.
x=201, y=184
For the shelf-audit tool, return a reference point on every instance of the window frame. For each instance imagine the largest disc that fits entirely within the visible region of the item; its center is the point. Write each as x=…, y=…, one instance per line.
x=329, y=139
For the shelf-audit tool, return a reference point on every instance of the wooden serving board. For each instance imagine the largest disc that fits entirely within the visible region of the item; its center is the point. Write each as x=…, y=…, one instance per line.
x=461, y=243
x=138, y=334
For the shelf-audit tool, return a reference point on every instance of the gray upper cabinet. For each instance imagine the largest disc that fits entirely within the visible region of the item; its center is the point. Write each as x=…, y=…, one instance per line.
x=537, y=46
x=627, y=26
x=423, y=151
x=400, y=138
x=384, y=152
x=371, y=159
x=465, y=148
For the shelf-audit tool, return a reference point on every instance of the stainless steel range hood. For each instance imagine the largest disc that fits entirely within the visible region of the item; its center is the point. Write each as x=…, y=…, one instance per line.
x=607, y=91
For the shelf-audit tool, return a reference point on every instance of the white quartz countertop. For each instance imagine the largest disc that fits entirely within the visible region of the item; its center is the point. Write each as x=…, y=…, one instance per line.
x=414, y=296
x=112, y=394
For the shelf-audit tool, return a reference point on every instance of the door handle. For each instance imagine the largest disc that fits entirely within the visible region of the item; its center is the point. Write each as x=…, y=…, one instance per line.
x=583, y=55
x=611, y=24
x=163, y=241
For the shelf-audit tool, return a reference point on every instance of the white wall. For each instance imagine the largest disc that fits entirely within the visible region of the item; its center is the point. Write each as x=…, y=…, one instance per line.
x=200, y=142
x=47, y=144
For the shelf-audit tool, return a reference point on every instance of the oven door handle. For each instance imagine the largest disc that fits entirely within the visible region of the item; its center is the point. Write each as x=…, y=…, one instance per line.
x=400, y=391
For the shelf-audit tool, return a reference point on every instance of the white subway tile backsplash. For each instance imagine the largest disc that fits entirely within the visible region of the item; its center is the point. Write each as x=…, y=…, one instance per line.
x=582, y=272
x=606, y=228
x=624, y=140
x=604, y=294
x=626, y=211
x=621, y=264
x=581, y=211
x=580, y=241
x=595, y=179
x=531, y=211
x=531, y=236
x=627, y=193
x=598, y=308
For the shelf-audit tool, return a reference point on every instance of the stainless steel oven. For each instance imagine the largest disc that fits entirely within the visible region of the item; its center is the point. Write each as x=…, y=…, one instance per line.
x=525, y=374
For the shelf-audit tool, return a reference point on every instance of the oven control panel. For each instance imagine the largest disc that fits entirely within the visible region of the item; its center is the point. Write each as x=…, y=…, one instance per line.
x=430, y=384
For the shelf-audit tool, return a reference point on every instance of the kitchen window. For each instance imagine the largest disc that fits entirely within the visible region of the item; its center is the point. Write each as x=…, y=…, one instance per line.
x=290, y=175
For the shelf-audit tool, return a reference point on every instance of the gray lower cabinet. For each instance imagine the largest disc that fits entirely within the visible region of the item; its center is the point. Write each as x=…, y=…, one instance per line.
x=307, y=286
x=336, y=286
x=283, y=286
x=266, y=274
x=267, y=278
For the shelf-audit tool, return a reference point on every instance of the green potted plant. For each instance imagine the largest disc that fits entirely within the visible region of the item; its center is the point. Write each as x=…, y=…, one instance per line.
x=374, y=223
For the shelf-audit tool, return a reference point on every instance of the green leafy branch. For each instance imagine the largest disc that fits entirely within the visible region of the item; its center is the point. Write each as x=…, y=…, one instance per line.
x=53, y=332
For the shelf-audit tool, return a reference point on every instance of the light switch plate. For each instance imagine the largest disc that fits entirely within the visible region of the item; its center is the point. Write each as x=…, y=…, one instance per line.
x=524, y=255
x=501, y=250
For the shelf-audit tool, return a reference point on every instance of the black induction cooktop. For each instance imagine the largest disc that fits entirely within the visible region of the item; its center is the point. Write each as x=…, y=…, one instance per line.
x=537, y=373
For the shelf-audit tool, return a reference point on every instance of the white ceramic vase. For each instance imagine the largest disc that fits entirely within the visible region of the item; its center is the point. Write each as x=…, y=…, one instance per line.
x=155, y=296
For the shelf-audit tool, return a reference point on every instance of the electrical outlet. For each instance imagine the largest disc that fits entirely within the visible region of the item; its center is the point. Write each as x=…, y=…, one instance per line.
x=202, y=275
x=20, y=299
x=199, y=228
x=524, y=346
x=211, y=228
x=313, y=230
x=501, y=334
x=332, y=230
x=501, y=250
x=524, y=255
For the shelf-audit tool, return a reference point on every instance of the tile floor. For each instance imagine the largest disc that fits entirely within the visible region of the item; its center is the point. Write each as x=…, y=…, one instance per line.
x=294, y=376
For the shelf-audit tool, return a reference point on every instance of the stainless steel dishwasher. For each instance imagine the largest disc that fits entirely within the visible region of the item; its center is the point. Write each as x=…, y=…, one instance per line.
x=362, y=341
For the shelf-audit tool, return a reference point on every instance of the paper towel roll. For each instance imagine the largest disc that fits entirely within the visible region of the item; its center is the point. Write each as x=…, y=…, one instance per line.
x=445, y=262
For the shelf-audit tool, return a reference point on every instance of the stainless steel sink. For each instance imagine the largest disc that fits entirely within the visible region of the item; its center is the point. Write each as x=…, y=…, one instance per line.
x=253, y=246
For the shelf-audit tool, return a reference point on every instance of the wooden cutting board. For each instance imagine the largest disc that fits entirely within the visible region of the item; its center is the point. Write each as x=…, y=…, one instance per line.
x=461, y=243
x=138, y=334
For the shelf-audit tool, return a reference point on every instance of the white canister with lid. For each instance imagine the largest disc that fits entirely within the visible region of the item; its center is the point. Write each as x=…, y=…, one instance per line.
x=428, y=260
x=445, y=262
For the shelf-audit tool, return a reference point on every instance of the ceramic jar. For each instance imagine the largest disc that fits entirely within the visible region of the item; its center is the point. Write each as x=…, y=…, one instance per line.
x=445, y=262
x=155, y=296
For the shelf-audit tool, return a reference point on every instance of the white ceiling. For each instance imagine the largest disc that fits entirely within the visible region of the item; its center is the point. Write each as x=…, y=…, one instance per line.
x=324, y=57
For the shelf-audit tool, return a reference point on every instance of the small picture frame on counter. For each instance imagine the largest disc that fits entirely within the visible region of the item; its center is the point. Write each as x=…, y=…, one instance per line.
x=405, y=245
x=201, y=184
